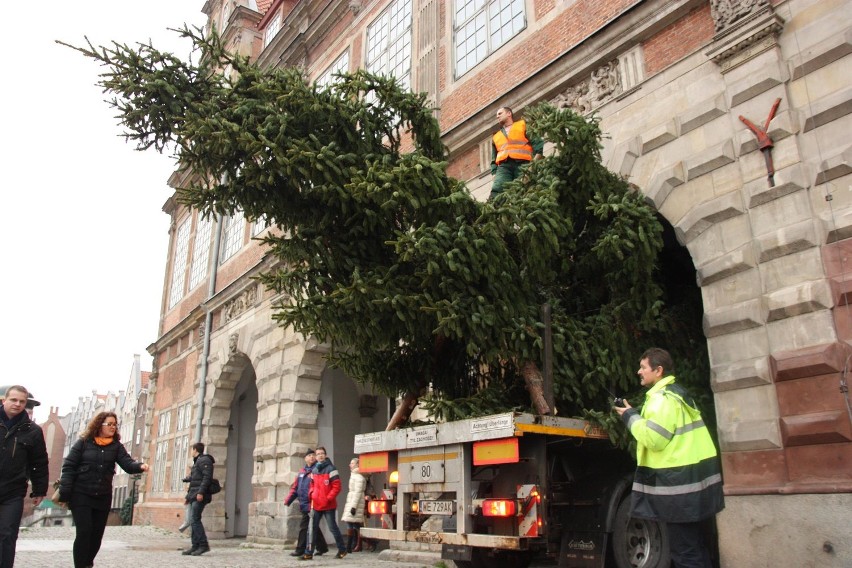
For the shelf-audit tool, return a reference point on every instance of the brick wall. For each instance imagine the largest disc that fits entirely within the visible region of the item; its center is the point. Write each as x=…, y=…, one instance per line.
x=678, y=40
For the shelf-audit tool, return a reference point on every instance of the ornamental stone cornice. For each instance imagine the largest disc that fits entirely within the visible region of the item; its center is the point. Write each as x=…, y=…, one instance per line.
x=304, y=27
x=747, y=38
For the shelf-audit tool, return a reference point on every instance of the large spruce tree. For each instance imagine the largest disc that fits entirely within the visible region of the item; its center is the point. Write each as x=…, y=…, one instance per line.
x=417, y=286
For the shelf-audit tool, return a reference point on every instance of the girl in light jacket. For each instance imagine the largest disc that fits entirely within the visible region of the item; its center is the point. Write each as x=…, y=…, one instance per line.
x=353, y=511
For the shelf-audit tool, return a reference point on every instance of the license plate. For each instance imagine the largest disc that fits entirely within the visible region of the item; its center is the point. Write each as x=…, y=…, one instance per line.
x=436, y=507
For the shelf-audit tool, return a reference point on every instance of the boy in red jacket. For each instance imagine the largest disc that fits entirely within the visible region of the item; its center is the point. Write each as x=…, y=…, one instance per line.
x=325, y=485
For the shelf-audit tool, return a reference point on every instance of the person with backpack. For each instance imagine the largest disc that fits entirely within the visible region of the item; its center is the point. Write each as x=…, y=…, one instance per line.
x=200, y=493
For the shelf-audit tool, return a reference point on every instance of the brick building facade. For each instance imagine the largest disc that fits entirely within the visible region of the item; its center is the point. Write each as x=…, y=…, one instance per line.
x=671, y=81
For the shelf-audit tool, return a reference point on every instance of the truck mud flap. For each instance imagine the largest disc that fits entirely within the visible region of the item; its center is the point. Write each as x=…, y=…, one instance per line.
x=580, y=549
x=456, y=552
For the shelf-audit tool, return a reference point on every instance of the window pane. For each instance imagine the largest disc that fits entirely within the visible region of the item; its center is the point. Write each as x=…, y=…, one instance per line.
x=200, y=252
x=389, y=42
x=492, y=24
x=179, y=265
x=233, y=235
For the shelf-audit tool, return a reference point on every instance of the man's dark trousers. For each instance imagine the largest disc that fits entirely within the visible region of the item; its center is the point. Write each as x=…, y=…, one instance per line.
x=322, y=547
x=686, y=543
x=11, y=509
x=199, y=537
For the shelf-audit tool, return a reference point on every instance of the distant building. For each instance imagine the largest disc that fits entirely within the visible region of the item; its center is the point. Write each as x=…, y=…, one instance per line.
x=54, y=438
x=130, y=414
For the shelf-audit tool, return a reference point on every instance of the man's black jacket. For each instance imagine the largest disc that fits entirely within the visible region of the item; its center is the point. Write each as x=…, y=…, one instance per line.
x=23, y=456
x=200, y=477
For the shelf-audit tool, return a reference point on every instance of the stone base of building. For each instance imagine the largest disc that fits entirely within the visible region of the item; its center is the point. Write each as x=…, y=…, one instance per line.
x=771, y=530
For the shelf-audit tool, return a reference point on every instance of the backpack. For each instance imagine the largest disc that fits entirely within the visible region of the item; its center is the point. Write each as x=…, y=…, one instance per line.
x=215, y=486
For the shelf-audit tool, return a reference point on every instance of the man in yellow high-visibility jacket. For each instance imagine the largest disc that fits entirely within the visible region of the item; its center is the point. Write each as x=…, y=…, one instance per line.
x=678, y=476
x=510, y=150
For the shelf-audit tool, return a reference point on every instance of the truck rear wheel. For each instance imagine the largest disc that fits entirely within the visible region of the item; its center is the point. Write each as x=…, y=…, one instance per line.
x=638, y=543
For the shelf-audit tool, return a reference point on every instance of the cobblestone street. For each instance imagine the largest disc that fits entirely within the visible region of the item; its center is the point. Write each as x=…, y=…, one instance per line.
x=50, y=547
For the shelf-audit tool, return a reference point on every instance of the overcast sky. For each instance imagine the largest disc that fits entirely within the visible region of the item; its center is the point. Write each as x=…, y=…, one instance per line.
x=84, y=239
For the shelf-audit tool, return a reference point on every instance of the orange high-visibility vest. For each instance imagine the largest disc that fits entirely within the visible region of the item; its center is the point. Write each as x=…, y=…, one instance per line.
x=516, y=146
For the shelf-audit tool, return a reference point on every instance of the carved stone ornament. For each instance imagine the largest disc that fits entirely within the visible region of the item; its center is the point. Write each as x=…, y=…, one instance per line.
x=726, y=12
x=233, y=341
x=355, y=6
x=603, y=84
x=239, y=304
x=752, y=34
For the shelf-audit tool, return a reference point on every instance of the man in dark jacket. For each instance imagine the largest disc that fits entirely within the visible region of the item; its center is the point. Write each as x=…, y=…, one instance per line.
x=23, y=456
x=301, y=490
x=198, y=495
x=325, y=485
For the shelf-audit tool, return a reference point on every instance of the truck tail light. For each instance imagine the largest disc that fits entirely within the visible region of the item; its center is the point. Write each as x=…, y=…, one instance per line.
x=499, y=508
x=379, y=507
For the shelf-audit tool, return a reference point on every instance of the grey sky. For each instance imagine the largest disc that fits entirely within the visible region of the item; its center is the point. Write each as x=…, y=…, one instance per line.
x=84, y=238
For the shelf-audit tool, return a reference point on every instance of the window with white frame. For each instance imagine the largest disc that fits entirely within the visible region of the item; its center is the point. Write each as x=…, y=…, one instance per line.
x=179, y=462
x=341, y=65
x=232, y=235
x=272, y=29
x=480, y=27
x=160, y=458
x=226, y=15
x=259, y=225
x=165, y=423
x=184, y=416
x=389, y=43
x=179, y=264
x=200, y=251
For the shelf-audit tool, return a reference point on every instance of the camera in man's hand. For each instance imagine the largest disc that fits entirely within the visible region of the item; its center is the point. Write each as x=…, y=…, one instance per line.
x=618, y=402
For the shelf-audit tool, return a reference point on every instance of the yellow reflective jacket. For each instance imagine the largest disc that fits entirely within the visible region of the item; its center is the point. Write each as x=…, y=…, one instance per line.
x=678, y=475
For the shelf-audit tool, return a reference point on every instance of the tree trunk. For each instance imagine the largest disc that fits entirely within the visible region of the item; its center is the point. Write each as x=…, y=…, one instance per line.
x=535, y=386
x=404, y=410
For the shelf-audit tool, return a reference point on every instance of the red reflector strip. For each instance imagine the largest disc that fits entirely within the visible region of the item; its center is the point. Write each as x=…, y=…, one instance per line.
x=499, y=508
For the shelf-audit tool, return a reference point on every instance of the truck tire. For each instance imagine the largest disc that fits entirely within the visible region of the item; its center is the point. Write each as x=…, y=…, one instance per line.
x=638, y=543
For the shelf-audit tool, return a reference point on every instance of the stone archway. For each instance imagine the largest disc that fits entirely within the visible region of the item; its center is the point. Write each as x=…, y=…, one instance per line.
x=233, y=416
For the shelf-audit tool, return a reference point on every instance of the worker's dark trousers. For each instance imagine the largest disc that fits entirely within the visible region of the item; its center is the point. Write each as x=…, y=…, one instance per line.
x=507, y=171
x=686, y=542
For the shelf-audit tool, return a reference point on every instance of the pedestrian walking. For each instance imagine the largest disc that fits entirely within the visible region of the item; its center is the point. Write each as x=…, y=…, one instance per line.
x=198, y=496
x=86, y=482
x=353, y=510
x=325, y=485
x=300, y=490
x=23, y=458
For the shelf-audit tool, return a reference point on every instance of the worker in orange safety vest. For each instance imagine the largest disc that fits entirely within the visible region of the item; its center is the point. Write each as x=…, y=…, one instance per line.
x=511, y=149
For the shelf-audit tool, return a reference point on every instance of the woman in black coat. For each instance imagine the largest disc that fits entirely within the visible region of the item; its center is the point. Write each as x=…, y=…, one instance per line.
x=86, y=482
